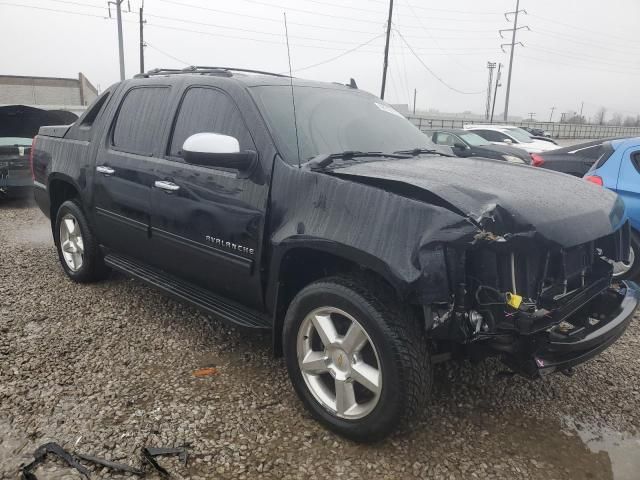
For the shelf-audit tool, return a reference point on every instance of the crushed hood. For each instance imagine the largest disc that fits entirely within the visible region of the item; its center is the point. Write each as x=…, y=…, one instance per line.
x=499, y=197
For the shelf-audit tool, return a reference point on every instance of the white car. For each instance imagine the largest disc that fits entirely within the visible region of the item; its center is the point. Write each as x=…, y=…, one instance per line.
x=511, y=135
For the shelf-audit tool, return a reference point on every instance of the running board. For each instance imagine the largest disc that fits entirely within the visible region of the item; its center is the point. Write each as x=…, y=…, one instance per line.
x=227, y=310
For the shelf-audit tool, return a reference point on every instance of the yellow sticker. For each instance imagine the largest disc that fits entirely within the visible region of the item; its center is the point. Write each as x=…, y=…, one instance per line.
x=513, y=300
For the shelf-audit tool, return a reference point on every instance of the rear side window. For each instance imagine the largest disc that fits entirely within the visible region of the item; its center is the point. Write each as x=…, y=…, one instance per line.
x=445, y=139
x=590, y=153
x=94, y=110
x=140, y=119
x=206, y=109
x=491, y=135
x=635, y=160
x=606, y=150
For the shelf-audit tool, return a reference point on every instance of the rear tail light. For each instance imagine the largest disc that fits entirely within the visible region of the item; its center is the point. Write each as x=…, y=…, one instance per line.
x=536, y=160
x=594, y=179
x=33, y=147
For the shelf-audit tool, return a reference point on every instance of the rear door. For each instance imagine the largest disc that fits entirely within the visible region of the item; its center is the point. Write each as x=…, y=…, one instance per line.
x=123, y=166
x=629, y=183
x=208, y=227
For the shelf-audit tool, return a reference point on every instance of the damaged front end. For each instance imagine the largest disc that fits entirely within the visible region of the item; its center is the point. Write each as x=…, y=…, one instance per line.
x=542, y=307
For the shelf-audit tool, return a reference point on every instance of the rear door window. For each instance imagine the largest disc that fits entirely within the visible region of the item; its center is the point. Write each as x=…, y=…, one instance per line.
x=140, y=120
x=205, y=109
x=444, y=139
x=491, y=135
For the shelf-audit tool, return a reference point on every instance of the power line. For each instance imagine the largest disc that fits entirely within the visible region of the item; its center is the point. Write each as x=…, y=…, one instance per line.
x=464, y=68
x=258, y=40
x=153, y=47
x=347, y=52
x=432, y=72
x=57, y=10
x=590, y=31
x=266, y=19
x=589, y=58
x=568, y=38
x=585, y=66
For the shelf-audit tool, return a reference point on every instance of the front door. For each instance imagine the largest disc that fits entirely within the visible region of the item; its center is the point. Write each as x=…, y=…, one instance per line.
x=206, y=222
x=123, y=171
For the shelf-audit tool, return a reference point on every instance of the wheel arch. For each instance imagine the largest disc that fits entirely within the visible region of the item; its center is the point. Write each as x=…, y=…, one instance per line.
x=61, y=188
x=296, y=264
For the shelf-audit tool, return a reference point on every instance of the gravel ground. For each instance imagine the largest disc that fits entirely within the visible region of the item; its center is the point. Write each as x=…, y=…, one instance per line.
x=106, y=369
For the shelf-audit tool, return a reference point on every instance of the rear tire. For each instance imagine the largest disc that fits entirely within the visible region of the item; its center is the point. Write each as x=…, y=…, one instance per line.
x=356, y=358
x=78, y=249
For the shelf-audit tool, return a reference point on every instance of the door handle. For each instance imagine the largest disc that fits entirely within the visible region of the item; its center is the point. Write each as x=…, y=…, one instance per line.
x=168, y=187
x=106, y=171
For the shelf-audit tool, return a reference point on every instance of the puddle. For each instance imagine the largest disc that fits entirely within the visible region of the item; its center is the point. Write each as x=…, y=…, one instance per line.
x=622, y=448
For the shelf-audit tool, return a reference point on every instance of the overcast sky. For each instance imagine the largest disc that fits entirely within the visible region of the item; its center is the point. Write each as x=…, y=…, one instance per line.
x=577, y=50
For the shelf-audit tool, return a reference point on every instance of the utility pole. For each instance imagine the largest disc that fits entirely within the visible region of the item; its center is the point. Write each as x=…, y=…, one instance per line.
x=142, y=45
x=551, y=115
x=386, y=51
x=490, y=66
x=495, y=91
x=531, y=115
x=513, y=46
x=581, y=107
x=118, y=4
x=415, y=92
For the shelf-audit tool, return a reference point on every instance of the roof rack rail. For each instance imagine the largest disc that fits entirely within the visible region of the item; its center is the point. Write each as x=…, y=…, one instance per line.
x=203, y=70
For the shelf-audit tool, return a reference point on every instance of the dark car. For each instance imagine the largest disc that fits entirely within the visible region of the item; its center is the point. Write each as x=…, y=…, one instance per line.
x=18, y=125
x=339, y=230
x=15, y=174
x=575, y=160
x=468, y=144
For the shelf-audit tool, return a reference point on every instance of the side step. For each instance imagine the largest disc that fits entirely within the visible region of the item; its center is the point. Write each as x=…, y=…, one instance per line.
x=227, y=310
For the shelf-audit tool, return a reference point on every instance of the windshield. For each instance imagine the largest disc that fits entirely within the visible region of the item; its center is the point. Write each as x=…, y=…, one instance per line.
x=520, y=135
x=15, y=141
x=333, y=121
x=474, y=139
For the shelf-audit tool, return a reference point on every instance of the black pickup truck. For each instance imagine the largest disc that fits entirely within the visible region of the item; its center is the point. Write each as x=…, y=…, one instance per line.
x=339, y=228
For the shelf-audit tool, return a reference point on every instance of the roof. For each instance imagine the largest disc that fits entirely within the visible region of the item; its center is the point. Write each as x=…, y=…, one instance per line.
x=625, y=142
x=490, y=126
x=250, y=78
x=455, y=131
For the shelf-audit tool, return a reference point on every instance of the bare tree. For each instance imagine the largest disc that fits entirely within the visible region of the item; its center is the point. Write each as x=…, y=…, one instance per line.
x=616, y=119
x=600, y=114
x=629, y=121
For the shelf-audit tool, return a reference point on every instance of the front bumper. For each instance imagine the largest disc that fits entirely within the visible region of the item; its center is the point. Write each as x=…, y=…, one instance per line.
x=586, y=333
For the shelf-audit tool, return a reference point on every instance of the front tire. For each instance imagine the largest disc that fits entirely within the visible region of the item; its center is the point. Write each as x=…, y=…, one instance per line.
x=631, y=270
x=78, y=249
x=356, y=358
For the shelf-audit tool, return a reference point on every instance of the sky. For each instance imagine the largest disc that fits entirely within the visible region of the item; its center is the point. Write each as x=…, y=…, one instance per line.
x=575, y=51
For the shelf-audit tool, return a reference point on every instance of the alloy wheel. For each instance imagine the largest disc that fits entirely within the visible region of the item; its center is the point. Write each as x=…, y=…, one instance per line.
x=71, y=242
x=339, y=363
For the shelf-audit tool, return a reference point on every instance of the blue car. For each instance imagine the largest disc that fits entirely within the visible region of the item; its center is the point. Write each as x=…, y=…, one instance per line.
x=618, y=169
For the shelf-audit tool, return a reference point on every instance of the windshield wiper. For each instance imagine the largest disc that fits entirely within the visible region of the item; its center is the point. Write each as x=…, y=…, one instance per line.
x=325, y=159
x=414, y=152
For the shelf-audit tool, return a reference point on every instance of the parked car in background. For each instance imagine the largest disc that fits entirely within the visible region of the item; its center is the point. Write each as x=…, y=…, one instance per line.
x=537, y=132
x=512, y=136
x=618, y=169
x=464, y=143
x=15, y=173
x=575, y=160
